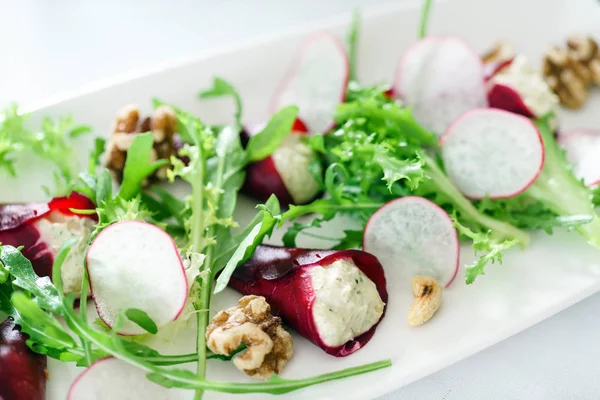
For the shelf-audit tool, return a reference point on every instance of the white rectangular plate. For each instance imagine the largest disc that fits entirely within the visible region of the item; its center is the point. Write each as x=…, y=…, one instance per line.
x=552, y=274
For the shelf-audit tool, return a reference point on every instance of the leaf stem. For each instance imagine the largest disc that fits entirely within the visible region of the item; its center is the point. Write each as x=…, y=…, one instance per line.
x=424, y=19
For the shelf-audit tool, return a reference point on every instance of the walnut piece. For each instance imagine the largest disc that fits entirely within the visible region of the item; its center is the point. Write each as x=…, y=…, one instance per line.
x=569, y=72
x=500, y=53
x=162, y=124
x=269, y=346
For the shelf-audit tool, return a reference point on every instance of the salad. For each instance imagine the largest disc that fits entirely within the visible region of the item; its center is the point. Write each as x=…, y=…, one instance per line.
x=456, y=147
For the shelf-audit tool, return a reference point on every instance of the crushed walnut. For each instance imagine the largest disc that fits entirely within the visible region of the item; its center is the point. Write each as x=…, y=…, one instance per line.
x=269, y=346
x=570, y=71
x=501, y=52
x=162, y=124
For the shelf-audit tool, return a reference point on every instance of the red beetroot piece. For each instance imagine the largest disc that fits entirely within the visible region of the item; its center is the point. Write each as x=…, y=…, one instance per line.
x=283, y=276
x=285, y=172
x=21, y=225
x=22, y=372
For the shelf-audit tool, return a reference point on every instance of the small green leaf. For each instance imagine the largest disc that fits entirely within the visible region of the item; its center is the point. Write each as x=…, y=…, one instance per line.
x=79, y=131
x=140, y=318
x=95, y=154
x=266, y=141
x=223, y=88
x=138, y=166
x=249, y=243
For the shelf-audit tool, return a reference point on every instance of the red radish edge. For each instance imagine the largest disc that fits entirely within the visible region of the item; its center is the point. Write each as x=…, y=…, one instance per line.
x=295, y=65
x=444, y=139
x=565, y=136
x=438, y=210
x=279, y=274
x=93, y=293
x=396, y=90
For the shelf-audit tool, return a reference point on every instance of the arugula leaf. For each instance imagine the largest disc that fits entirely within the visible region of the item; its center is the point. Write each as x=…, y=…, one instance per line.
x=250, y=242
x=221, y=88
x=20, y=267
x=140, y=318
x=270, y=137
x=138, y=165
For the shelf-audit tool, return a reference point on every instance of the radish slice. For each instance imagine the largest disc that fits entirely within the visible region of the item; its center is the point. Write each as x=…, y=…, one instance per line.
x=134, y=264
x=582, y=148
x=110, y=379
x=493, y=153
x=440, y=78
x=416, y=236
x=315, y=82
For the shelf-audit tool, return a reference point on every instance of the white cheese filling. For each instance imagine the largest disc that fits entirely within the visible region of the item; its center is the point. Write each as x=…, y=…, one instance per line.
x=55, y=230
x=536, y=93
x=347, y=303
x=292, y=159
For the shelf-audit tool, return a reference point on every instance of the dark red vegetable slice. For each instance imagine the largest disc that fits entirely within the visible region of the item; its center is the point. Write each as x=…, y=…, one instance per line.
x=22, y=372
x=18, y=228
x=282, y=276
x=262, y=177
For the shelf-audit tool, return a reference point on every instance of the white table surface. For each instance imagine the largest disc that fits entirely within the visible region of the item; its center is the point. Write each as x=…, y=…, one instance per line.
x=51, y=46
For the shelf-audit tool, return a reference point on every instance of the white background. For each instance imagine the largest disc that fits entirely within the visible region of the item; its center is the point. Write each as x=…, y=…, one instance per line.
x=48, y=47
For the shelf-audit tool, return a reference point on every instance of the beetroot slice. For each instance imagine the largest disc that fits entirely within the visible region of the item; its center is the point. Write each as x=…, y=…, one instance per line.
x=440, y=78
x=315, y=82
x=14, y=215
x=517, y=87
x=582, y=147
x=22, y=372
x=263, y=178
x=18, y=227
x=282, y=276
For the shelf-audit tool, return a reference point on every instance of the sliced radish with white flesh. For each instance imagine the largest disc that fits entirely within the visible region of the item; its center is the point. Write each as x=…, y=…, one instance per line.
x=520, y=89
x=414, y=236
x=111, y=379
x=134, y=264
x=440, y=78
x=315, y=82
x=583, y=149
x=491, y=152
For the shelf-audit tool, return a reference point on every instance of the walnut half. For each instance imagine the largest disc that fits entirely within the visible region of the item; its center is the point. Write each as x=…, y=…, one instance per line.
x=569, y=71
x=162, y=124
x=269, y=346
